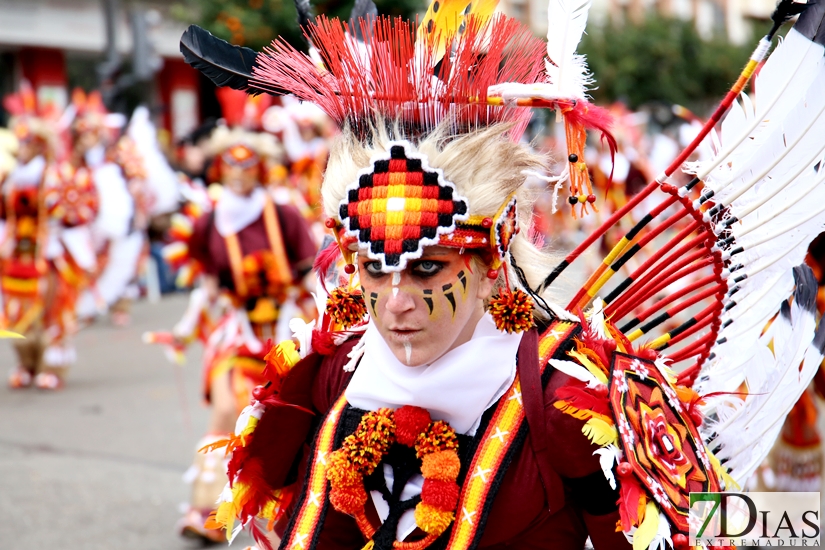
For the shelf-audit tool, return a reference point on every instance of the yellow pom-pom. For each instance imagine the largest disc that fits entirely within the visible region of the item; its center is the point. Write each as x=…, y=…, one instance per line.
x=282, y=358
x=431, y=520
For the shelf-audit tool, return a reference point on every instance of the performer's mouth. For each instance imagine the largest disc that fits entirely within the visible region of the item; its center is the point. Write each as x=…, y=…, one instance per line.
x=403, y=334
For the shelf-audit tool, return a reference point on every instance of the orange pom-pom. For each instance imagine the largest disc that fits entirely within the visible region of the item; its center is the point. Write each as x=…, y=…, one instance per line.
x=349, y=499
x=345, y=307
x=441, y=494
x=441, y=465
x=431, y=520
x=512, y=311
x=410, y=422
x=440, y=437
x=340, y=472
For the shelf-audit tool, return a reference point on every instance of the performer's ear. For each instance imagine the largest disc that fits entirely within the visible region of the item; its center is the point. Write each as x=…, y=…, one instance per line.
x=485, y=283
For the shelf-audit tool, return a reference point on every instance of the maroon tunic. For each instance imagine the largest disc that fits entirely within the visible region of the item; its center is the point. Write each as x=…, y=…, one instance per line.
x=519, y=517
x=208, y=247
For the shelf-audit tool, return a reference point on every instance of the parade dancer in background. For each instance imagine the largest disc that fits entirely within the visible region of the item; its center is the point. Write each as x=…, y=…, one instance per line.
x=253, y=253
x=118, y=246
x=47, y=254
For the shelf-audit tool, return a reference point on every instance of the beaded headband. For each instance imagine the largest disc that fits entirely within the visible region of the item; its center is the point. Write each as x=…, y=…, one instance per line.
x=240, y=156
x=399, y=204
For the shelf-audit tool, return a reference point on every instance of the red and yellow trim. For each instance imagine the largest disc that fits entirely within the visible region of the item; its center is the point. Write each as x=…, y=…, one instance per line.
x=495, y=444
x=316, y=493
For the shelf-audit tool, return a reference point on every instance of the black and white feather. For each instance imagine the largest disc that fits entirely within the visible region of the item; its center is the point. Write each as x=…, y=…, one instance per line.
x=767, y=188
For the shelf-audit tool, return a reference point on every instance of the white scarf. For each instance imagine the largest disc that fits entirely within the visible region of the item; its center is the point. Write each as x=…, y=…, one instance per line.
x=234, y=212
x=27, y=175
x=457, y=387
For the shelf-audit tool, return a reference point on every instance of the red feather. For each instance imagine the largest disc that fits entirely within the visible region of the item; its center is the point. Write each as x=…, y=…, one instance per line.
x=630, y=493
x=393, y=77
x=323, y=342
x=583, y=399
x=324, y=260
x=593, y=117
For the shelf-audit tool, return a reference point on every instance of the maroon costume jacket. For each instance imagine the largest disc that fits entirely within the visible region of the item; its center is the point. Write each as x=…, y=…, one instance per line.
x=553, y=494
x=208, y=247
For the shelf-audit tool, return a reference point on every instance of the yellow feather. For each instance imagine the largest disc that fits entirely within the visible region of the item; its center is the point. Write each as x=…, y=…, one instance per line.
x=600, y=432
x=440, y=24
x=648, y=528
x=730, y=483
x=588, y=364
x=10, y=334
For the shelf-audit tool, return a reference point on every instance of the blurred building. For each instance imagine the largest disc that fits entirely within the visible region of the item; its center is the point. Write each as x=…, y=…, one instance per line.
x=712, y=17
x=56, y=44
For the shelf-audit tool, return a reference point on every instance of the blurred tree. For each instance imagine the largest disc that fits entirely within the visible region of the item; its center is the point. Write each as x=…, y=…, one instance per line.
x=660, y=60
x=255, y=23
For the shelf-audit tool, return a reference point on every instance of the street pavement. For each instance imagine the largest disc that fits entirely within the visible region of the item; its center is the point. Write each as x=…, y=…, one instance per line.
x=98, y=465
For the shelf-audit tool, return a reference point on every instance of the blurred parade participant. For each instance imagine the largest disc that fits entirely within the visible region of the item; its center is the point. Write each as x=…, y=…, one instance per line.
x=119, y=175
x=46, y=250
x=253, y=253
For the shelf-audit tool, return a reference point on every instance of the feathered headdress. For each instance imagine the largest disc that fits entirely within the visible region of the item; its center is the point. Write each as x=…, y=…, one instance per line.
x=27, y=120
x=462, y=70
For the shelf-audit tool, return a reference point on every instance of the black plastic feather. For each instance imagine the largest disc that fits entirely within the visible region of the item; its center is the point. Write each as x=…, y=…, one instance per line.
x=304, y=10
x=223, y=63
x=362, y=9
x=785, y=9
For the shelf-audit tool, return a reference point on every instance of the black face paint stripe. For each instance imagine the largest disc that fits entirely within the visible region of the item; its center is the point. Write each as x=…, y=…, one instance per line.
x=451, y=299
x=428, y=299
x=463, y=278
x=373, y=299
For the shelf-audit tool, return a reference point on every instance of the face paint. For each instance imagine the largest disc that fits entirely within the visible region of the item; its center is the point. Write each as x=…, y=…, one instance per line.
x=448, y=293
x=426, y=309
x=428, y=299
x=462, y=278
x=373, y=299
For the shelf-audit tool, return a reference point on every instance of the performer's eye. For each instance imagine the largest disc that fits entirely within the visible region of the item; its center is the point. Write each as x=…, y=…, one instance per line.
x=427, y=268
x=374, y=269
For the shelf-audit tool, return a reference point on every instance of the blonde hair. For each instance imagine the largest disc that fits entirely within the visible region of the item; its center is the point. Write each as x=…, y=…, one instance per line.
x=485, y=165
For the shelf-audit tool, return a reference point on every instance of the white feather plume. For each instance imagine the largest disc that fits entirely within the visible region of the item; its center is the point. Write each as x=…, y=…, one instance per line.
x=567, y=71
x=768, y=186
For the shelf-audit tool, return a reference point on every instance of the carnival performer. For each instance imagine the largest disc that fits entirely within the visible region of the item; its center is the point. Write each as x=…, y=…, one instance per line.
x=115, y=166
x=47, y=254
x=443, y=400
x=254, y=254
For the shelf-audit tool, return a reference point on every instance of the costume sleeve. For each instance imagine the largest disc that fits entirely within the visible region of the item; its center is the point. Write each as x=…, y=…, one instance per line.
x=199, y=242
x=300, y=247
x=565, y=432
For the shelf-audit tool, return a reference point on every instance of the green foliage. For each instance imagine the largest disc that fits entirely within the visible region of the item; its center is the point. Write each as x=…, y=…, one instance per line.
x=255, y=23
x=661, y=60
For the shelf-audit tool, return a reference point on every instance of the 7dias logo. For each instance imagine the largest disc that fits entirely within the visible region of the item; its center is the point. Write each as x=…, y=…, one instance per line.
x=754, y=519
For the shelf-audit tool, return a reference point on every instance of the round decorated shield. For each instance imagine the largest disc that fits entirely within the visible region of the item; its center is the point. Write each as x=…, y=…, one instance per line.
x=658, y=438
